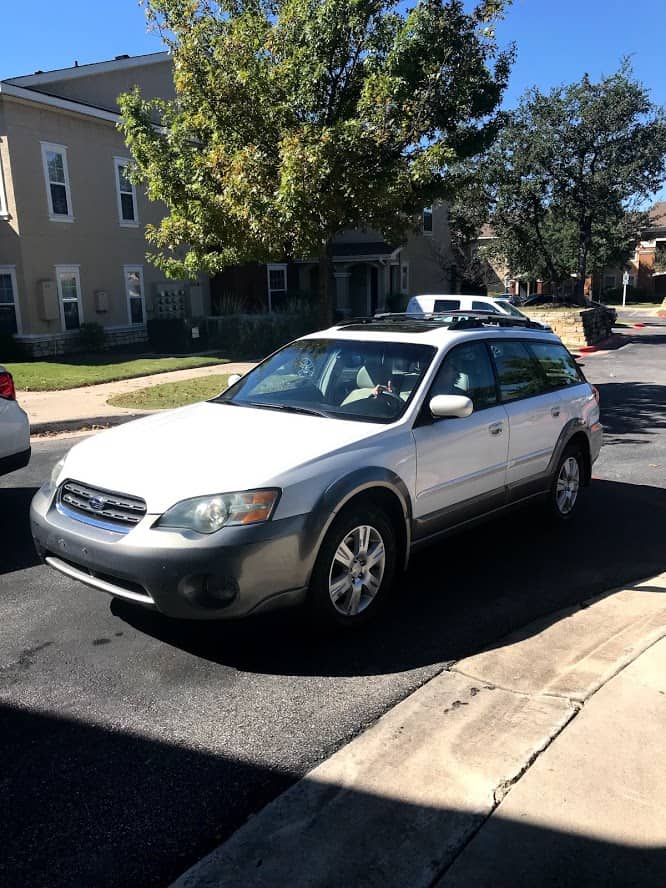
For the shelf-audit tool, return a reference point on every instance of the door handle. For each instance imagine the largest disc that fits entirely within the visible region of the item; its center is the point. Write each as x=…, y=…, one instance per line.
x=496, y=428
x=555, y=411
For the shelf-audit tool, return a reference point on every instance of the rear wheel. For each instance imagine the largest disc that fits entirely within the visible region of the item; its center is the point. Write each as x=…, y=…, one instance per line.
x=567, y=482
x=355, y=568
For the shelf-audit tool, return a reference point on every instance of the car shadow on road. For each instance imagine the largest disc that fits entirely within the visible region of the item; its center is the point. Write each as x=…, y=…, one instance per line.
x=87, y=805
x=631, y=409
x=17, y=551
x=457, y=597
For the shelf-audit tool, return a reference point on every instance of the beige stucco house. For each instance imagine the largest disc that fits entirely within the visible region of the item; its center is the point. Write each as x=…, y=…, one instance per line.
x=72, y=246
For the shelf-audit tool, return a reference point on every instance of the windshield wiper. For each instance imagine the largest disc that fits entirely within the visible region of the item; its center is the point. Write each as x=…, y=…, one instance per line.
x=292, y=408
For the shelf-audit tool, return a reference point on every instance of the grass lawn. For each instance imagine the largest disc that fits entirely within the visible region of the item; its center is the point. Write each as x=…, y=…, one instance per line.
x=172, y=394
x=51, y=376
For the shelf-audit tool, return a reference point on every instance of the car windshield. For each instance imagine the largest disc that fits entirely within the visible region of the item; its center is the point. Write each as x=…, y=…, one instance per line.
x=512, y=310
x=360, y=380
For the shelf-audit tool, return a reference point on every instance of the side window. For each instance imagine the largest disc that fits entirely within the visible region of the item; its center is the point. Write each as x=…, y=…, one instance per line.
x=557, y=365
x=446, y=305
x=517, y=371
x=466, y=370
x=485, y=306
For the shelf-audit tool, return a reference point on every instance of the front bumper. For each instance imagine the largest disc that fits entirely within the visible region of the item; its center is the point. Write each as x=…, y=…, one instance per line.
x=231, y=573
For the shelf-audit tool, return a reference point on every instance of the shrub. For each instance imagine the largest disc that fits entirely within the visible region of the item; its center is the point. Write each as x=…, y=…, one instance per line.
x=91, y=337
x=255, y=336
x=11, y=349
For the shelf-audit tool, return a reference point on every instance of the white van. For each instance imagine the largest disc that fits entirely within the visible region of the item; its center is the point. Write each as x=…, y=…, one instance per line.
x=436, y=304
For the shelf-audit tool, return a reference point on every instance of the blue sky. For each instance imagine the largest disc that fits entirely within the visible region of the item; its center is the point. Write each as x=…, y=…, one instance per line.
x=558, y=40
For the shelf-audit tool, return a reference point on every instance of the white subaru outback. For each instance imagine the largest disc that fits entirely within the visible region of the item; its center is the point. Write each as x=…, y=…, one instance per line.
x=313, y=478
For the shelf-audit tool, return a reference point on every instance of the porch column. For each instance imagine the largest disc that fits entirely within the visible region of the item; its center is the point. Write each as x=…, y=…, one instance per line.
x=539, y=287
x=384, y=286
x=342, y=296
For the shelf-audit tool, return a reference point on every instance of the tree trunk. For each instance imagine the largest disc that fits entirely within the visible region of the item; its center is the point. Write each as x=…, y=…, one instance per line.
x=584, y=234
x=325, y=289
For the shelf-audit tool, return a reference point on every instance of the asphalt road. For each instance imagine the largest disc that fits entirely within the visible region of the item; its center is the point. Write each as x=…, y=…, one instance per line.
x=130, y=745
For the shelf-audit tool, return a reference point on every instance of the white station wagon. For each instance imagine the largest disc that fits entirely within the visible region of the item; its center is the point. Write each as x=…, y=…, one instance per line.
x=312, y=478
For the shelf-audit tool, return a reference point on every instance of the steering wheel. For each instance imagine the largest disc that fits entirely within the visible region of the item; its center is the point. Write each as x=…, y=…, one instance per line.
x=391, y=398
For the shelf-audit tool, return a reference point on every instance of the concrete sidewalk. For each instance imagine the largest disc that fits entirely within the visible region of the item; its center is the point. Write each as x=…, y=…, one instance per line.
x=73, y=408
x=538, y=762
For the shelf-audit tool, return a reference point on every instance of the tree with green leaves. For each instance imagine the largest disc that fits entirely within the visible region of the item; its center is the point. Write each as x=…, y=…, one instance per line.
x=563, y=184
x=296, y=119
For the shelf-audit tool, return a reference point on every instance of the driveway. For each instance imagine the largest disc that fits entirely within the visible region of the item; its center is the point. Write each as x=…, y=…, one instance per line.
x=132, y=744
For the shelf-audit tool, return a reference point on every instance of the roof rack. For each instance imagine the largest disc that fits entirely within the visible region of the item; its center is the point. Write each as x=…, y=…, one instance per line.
x=454, y=320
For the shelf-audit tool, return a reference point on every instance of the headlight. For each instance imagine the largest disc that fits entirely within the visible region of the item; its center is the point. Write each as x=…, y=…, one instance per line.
x=206, y=514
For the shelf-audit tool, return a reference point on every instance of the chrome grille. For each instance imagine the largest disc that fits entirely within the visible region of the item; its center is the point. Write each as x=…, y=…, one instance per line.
x=117, y=511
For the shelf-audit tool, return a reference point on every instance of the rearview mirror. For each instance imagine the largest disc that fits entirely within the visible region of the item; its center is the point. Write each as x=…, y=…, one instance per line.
x=451, y=405
x=233, y=379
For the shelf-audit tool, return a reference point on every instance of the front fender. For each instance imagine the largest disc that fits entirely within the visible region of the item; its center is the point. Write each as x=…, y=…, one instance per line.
x=340, y=492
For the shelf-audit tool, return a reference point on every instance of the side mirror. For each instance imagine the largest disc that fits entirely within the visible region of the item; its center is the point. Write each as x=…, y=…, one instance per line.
x=451, y=405
x=233, y=379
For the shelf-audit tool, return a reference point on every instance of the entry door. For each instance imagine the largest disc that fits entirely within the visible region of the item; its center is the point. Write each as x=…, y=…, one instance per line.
x=461, y=463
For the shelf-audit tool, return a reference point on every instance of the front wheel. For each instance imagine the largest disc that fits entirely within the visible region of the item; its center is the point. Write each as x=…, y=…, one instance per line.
x=567, y=482
x=355, y=568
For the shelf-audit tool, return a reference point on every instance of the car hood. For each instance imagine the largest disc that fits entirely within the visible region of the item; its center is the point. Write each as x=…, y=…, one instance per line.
x=206, y=448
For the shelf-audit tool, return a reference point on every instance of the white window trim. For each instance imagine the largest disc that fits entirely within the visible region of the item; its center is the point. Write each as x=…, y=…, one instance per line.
x=432, y=219
x=74, y=271
x=11, y=271
x=4, y=212
x=126, y=270
x=126, y=223
x=276, y=266
x=62, y=149
x=404, y=277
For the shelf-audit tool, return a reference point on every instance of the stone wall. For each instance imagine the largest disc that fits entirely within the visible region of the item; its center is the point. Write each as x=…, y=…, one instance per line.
x=575, y=326
x=66, y=343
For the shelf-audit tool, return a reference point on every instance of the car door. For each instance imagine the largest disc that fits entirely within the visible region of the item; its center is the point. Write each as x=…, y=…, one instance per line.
x=460, y=462
x=536, y=415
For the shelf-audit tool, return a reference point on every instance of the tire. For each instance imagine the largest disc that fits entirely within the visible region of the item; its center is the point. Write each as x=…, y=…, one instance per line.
x=346, y=589
x=565, y=490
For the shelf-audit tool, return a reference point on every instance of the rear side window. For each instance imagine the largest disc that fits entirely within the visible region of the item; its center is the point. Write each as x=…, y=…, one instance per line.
x=446, y=305
x=556, y=363
x=517, y=371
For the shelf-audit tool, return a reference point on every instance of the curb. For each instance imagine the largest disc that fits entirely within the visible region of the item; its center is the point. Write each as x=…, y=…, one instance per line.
x=87, y=423
x=617, y=340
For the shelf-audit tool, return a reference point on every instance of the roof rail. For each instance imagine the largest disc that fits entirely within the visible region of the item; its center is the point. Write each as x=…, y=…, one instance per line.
x=454, y=320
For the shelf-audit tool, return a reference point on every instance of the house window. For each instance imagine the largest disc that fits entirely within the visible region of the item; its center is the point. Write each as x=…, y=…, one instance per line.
x=126, y=194
x=427, y=220
x=3, y=197
x=404, y=277
x=56, y=175
x=69, y=295
x=136, y=307
x=9, y=320
x=277, y=285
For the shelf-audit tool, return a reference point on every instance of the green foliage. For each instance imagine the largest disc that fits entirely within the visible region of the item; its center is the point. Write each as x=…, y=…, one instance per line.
x=562, y=183
x=255, y=336
x=295, y=119
x=91, y=337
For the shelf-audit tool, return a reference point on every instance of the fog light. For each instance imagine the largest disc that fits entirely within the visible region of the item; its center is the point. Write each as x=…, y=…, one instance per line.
x=209, y=590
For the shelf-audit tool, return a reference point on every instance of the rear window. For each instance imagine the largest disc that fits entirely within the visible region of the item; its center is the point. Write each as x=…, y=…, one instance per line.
x=557, y=365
